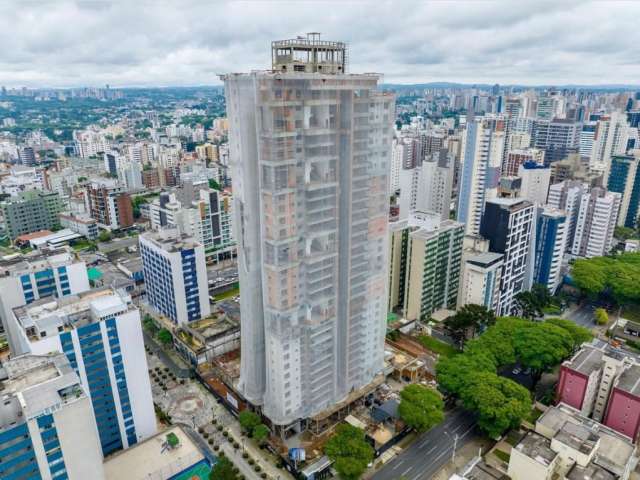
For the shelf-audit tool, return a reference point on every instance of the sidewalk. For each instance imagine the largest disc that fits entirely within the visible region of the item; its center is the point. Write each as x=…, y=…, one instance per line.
x=164, y=357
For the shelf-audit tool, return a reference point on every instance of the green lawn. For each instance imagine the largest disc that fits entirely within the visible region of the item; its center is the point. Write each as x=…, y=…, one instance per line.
x=631, y=312
x=437, y=346
x=228, y=294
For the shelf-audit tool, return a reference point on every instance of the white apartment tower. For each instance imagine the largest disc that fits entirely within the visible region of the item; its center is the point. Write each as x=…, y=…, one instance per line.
x=310, y=148
x=482, y=151
x=596, y=221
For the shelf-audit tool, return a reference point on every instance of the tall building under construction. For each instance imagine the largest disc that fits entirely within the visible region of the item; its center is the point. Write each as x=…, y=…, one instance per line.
x=310, y=147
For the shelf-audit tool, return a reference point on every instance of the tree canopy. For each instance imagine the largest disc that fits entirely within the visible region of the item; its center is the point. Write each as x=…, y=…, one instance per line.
x=249, y=420
x=601, y=315
x=223, y=470
x=533, y=302
x=420, y=407
x=349, y=451
x=616, y=277
x=165, y=336
x=260, y=433
x=468, y=321
x=500, y=402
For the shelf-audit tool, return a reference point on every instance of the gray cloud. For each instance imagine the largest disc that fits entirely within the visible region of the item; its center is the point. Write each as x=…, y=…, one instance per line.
x=187, y=42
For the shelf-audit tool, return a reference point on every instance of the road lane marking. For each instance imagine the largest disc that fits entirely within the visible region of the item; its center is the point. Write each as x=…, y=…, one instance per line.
x=406, y=471
x=397, y=464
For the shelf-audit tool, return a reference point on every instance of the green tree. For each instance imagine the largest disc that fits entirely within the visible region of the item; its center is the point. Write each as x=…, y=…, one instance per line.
x=165, y=337
x=532, y=303
x=624, y=233
x=453, y=372
x=579, y=334
x=104, y=236
x=540, y=346
x=420, y=407
x=260, y=433
x=590, y=275
x=601, y=315
x=499, y=402
x=249, y=420
x=223, y=470
x=349, y=451
x=468, y=321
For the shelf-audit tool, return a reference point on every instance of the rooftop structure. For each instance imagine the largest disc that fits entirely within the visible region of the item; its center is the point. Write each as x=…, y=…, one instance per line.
x=154, y=458
x=309, y=54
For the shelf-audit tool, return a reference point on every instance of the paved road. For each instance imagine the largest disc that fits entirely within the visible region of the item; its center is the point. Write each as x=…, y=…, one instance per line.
x=583, y=315
x=164, y=358
x=431, y=450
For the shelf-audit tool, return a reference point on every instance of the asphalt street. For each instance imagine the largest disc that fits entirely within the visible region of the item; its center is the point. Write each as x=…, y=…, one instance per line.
x=582, y=316
x=431, y=450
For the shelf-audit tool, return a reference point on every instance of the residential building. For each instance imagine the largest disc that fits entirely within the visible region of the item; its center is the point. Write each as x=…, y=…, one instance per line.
x=433, y=266
x=535, y=182
x=558, y=138
x=311, y=202
x=175, y=275
x=35, y=275
x=587, y=138
x=398, y=250
x=517, y=157
x=100, y=333
x=508, y=224
x=610, y=139
x=596, y=220
x=481, y=274
x=82, y=224
x=31, y=211
x=27, y=156
x=567, y=196
x=482, y=152
x=623, y=406
x=109, y=204
x=550, y=246
x=427, y=187
x=624, y=178
x=47, y=427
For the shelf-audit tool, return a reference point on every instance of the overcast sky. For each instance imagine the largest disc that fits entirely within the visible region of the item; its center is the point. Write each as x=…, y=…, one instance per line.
x=185, y=42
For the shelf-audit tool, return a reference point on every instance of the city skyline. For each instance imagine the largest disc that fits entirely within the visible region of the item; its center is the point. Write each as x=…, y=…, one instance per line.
x=171, y=44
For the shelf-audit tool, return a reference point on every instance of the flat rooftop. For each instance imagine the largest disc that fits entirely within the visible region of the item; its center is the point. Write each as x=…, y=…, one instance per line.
x=578, y=437
x=152, y=458
x=586, y=361
x=170, y=240
x=52, y=315
x=629, y=380
x=590, y=472
x=32, y=384
x=485, y=259
x=537, y=447
x=35, y=261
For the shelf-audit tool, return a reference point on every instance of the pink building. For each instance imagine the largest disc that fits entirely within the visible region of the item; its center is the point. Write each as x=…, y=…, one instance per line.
x=580, y=379
x=623, y=408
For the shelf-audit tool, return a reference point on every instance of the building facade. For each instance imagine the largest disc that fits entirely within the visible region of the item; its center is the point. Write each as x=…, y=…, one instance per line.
x=27, y=278
x=624, y=178
x=595, y=223
x=47, y=427
x=310, y=148
x=100, y=333
x=31, y=211
x=109, y=205
x=175, y=275
x=550, y=247
x=508, y=224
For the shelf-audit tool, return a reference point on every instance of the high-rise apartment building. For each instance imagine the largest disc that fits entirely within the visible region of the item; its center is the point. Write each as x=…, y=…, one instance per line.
x=482, y=152
x=433, y=266
x=175, y=275
x=624, y=178
x=610, y=139
x=516, y=157
x=47, y=427
x=427, y=187
x=566, y=196
x=398, y=250
x=508, y=225
x=550, y=247
x=310, y=147
x=535, y=182
x=31, y=211
x=480, y=273
x=109, y=204
x=596, y=220
x=27, y=278
x=558, y=138
x=27, y=156
x=100, y=333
